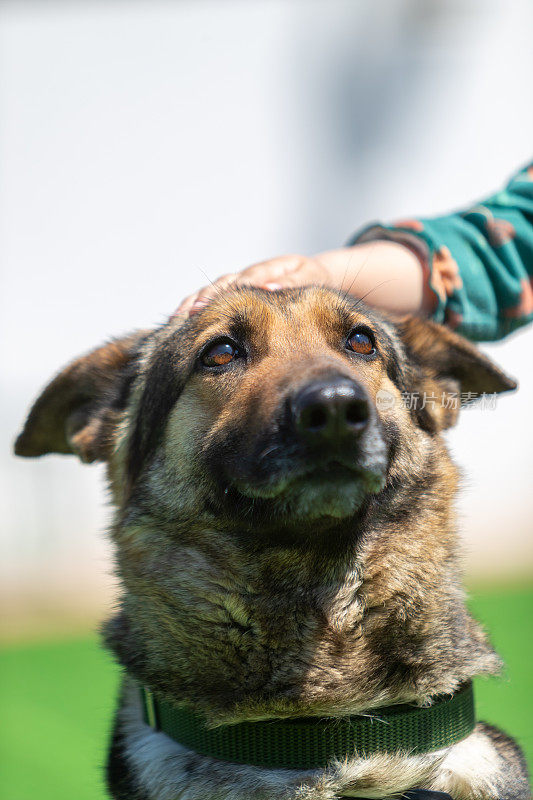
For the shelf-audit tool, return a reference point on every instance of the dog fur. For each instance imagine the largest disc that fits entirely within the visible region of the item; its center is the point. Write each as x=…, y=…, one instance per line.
x=261, y=581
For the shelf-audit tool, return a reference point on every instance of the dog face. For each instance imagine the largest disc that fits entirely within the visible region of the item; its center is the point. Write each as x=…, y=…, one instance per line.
x=276, y=415
x=270, y=411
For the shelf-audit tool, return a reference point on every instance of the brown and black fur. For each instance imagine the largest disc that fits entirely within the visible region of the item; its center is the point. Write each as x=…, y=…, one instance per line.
x=265, y=577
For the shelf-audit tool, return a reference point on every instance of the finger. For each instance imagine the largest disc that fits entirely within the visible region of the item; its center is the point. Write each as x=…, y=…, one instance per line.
x=276, y=267
x=271, y=274
x=203, y=297
x=309, y=273
x=273, y=287
x=207, y=293
x=185, y=306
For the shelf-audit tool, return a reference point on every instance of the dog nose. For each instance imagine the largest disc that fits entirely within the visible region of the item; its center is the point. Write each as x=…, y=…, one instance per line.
x=326, y=412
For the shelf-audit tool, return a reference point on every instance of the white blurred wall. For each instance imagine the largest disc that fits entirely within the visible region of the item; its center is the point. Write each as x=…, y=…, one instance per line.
x=144, y=145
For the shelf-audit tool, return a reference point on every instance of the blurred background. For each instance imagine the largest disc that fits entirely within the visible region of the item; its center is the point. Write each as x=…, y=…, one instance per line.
x=145, y=145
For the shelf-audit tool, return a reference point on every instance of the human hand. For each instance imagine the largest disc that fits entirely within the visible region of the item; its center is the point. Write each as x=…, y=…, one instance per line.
x=276, y=273
x=385, y=274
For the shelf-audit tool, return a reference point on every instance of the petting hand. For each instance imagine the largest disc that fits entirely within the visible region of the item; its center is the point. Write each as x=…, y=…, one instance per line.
x=385, y=274
x=276, y=273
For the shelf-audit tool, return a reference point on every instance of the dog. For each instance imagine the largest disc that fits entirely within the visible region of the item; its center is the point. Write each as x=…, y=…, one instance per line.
x=285, y=539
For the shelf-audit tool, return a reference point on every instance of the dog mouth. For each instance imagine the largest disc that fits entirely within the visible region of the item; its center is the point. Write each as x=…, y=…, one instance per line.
x=333, y=472
x=285, y=478
x=332, y=489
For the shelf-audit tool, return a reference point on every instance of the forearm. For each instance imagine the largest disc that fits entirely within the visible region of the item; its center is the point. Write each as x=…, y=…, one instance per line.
x=388, y=274
x=477, y=264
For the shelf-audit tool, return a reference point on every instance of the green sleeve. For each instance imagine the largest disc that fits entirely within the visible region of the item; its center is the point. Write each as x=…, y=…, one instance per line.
x=478, y=263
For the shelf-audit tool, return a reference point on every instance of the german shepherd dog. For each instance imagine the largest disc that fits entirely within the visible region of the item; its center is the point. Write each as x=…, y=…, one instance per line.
x=285, y=536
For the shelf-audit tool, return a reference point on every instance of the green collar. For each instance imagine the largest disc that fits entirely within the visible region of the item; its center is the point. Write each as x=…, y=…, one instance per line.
x=312, y=742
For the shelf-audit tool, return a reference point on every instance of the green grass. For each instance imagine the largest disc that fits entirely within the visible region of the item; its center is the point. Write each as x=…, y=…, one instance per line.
x=57, y=700
x=508, y=701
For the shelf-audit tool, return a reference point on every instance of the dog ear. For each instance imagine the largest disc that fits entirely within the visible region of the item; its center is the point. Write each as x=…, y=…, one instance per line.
x=447, y=367
x=77, y=411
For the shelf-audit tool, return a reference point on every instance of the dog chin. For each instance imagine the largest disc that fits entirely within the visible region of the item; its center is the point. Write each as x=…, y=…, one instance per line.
x=319, y=495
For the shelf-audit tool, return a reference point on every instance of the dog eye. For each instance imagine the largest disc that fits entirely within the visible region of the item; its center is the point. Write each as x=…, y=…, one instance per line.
x=219, y=354
x=361, y=341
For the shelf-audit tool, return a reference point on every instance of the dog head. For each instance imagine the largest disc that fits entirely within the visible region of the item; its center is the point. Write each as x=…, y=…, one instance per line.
x=276, y=411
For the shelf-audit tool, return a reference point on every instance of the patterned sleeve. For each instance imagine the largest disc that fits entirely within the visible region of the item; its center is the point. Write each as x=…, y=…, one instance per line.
x=478, y=263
